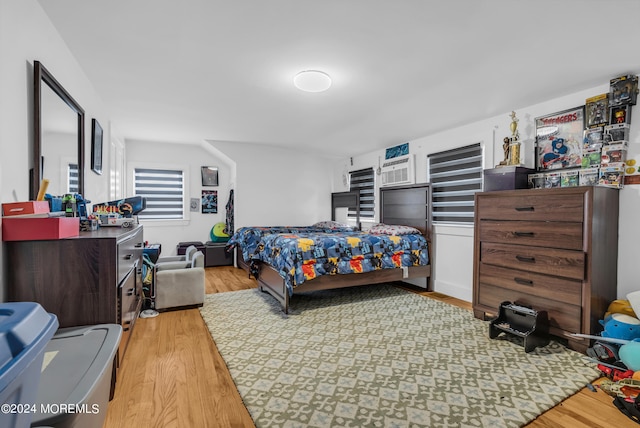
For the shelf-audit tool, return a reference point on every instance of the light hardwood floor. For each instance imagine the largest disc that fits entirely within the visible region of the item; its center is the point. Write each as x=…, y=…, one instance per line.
x=173, y=376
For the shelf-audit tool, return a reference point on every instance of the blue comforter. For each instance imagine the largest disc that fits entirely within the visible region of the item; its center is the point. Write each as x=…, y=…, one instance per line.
x=300, y=254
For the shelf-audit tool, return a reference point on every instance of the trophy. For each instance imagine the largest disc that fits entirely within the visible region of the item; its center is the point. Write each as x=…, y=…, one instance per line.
x=514, y=141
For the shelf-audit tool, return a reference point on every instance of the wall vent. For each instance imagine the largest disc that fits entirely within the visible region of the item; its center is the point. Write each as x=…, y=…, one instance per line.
x=398, y=170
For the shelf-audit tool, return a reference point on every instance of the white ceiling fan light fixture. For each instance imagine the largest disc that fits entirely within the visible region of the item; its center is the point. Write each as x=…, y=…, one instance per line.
x=312, y=81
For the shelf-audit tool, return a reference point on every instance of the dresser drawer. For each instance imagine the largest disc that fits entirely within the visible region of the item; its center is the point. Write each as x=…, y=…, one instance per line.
x=561, y=315
x=551, y=261
x=127, y=299
x=535, y=233
x=550, y=287
x=531, y=205
x=129, y=252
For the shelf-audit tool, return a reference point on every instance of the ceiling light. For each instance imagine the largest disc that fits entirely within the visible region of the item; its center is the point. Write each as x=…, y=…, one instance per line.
x=312, y=81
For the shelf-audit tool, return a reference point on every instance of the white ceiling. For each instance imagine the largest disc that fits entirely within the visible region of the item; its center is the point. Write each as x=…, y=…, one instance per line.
x=194, y=70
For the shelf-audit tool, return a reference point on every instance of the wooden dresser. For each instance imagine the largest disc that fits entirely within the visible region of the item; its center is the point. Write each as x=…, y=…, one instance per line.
x=85, y=280
x=549, y=249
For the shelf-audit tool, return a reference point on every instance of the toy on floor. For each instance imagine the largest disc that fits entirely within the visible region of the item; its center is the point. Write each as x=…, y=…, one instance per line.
x=621, y=326
x=620, y=307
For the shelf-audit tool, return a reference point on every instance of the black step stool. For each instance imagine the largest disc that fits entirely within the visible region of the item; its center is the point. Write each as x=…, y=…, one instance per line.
x=523, y=322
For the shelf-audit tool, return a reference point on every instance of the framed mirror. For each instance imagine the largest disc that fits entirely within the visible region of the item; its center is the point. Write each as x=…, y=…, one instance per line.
x=58, y=150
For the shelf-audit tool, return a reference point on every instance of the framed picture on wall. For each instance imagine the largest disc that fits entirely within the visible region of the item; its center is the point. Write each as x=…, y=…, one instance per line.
x=559, y=139
x=96, y=147
x=209, y=176
x=209, y=201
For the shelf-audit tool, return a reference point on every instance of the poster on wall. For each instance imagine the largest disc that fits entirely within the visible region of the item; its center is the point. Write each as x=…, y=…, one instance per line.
x=559, y=139
x=399, y=150
x=209, y=201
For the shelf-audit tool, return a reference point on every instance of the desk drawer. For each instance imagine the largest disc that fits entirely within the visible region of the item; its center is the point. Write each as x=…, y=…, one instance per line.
x=129, y=252
x=551, y=261
x=535, y=233
x=532, y=205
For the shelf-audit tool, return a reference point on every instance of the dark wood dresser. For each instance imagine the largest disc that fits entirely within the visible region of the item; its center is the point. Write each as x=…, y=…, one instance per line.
x=86, y=280
x=550, y=249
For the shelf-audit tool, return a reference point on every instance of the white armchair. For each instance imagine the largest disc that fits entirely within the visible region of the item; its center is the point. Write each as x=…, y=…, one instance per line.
x=179, y=286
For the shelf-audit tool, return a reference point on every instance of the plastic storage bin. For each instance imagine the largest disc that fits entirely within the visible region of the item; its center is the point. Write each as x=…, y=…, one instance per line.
x=25, y=330
x=76, y=381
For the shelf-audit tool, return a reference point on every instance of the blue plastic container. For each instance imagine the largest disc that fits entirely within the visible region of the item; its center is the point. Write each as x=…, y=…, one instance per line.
x=25, y=330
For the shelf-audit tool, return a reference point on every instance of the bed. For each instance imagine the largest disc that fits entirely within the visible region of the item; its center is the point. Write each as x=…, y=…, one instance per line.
x=287, y=260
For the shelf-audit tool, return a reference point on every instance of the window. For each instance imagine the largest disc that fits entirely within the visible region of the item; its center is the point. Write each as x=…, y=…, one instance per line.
x=455, y=176
x=72, y=178
x=163, y=190
x=363, y=182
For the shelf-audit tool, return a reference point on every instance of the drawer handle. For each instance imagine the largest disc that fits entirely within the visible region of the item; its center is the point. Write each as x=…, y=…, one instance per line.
x=524, y=234
x=523, y=281
x=128, y=257
x=131, y=292
x=526, y=259
x=524, y=208
x=139, y=245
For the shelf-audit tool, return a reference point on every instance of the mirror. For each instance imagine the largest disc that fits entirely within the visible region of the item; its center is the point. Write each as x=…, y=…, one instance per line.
x=58, y=151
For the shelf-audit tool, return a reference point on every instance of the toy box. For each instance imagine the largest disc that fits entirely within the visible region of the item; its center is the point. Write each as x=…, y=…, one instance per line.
x=25, y=330
x=612, y=176
x=597, y=110
x=80, y=373
x=536, y=181
x=620, y=114
x=617, y=132
x=593, y=137
x=569, y=178
x=592, y=158
x=623, y=90
x=589, y=176
x=613, y=153
x=25, y=208
x=552, y=179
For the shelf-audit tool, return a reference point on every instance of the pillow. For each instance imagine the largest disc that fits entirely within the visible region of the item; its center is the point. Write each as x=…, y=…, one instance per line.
x=387, y=229
x=333, y=225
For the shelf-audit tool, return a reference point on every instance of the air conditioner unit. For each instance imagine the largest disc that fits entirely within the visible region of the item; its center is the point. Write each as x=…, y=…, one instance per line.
x=398, y=170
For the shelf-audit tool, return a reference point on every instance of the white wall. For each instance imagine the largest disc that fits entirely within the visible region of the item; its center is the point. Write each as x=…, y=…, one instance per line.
x=271, y=186
x=277, y=187
x=26, y=34
x=189, y=157
x=453, y=245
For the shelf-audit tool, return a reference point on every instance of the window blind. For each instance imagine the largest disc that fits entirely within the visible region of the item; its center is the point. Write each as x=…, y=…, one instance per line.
x=164, y=192
x=363, y=181
x=72, y=178
x=455, y=176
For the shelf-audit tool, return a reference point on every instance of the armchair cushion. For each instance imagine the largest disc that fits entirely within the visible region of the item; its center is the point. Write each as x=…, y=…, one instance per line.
x=177, y=262
x=188, y=254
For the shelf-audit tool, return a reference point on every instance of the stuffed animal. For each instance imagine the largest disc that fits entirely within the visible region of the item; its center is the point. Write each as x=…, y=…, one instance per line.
x=620, y=307
x=621, y=326
x=630, y=355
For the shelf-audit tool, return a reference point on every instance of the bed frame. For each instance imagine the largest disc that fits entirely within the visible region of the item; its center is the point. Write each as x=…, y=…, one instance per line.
x=401, y=205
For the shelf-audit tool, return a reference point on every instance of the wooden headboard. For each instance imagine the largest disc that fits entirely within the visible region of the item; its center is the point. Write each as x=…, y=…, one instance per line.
x=346, y=200
x=408, y=206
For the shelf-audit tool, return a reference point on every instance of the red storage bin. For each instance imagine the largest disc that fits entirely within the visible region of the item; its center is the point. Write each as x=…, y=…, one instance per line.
x=38, y=229
x=22, y=208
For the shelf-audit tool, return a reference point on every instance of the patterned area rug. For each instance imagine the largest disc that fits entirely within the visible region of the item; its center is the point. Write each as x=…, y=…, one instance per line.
x=379, y=356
